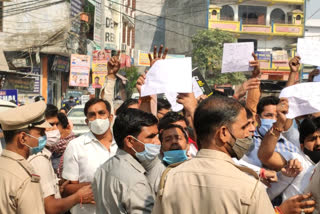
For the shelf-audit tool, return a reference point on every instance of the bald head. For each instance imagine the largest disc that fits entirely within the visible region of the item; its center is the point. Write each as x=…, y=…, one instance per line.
x=214, y=113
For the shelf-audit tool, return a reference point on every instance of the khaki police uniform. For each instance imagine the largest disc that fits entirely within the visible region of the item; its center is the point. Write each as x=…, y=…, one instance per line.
x=211, y=183
x=41, y=162
x=19, y=185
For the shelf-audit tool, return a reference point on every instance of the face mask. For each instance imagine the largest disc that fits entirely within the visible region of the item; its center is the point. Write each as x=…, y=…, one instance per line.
x=175, y=156
x=313, y=155
x=241, y=146
x=99, y=126
x=41, y=144
x=266, y=125
x=53, y=137
x=149, y=153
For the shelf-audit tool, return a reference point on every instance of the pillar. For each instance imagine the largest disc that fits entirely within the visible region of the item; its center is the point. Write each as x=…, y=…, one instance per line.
x=44, y=79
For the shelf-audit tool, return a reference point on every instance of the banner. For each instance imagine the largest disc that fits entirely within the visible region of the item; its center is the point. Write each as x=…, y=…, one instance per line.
x=79, y=70
x=100, y=67
x=9, y=95
x=22, y=84
x=143, y=59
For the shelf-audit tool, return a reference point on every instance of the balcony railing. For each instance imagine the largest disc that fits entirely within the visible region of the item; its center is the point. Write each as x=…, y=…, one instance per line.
x=299, y=2
x=271, y=30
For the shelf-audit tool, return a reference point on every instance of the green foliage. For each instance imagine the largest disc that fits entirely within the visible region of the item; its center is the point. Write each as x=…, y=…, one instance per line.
x=132, y=75
x=207, y=55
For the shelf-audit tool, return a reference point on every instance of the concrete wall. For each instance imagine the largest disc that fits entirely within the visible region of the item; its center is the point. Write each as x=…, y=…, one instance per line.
x=312, y=30
x=34, y=28
x=146, y=35
x=193, y=12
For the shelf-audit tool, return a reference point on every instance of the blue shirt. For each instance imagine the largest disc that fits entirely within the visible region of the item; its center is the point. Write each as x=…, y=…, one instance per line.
x=283, y=147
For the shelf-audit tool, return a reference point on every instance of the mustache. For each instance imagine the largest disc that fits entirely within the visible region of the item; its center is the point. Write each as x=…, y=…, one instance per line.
x=175, y=146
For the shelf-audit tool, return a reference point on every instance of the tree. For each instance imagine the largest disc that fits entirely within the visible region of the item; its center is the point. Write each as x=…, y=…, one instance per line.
x=207, y=55
x=132, y=75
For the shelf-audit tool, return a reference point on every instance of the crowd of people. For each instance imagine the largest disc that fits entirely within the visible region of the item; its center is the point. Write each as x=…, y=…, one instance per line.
x=220, y=154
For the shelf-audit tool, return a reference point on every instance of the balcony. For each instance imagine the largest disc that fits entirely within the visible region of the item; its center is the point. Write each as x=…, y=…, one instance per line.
x=296, y=2
x=291, y=30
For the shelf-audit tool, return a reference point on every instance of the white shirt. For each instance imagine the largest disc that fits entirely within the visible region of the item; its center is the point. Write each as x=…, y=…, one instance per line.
x=293, y=186
x=82, y=157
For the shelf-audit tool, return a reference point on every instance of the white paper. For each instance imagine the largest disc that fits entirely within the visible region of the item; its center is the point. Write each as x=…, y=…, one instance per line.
x=196, y=88
x=172, y=98
x=236, y=57
x=169, y=75
x=308, y=50
x=304, y=98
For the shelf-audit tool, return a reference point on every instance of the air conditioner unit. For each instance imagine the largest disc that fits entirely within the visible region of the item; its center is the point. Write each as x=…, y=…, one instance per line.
x=123, y=47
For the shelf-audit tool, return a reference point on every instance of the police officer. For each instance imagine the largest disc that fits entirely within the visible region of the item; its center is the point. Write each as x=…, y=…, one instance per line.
x=211, y=182
x=24, y=130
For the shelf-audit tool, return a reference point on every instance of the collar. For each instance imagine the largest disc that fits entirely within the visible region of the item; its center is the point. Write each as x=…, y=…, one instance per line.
x=12, y=155
x=214, y=154
x=89, y=138
x=133, y=162
x=258, y=135
x=46, y=152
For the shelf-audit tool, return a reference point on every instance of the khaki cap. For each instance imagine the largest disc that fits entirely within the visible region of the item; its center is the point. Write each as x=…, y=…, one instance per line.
x=27, y=116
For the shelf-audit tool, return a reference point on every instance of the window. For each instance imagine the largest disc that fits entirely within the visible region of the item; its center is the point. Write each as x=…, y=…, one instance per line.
x=277, y=16
x=252, y=14
x=227, y=13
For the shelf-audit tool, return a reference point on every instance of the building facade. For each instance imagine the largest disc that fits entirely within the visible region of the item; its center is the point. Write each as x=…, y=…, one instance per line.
x=273, y=25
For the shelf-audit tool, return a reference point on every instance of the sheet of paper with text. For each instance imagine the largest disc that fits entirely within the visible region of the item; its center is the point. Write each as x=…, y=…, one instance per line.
x=304, y=98
x=236, y=57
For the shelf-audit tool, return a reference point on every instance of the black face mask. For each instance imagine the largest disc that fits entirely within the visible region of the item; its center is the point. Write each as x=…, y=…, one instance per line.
x=313, y=155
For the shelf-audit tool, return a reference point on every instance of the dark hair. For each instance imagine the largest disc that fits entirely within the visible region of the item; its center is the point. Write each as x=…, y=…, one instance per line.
x=63, y=120
x=265, y=101
x=163, y=104
x=95, y=101
x=169, y=118
x=38, y=98
x=51, y=111
x=124, y=106
x=65, y=109
x=71, y=97
x=97, y=78
x=170, y=126
x=212, y=113
x=308, y=127
x=249, y=113
x=9, y=135
x=131, y=122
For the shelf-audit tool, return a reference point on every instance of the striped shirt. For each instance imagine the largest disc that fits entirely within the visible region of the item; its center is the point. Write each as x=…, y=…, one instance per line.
x=283, y=147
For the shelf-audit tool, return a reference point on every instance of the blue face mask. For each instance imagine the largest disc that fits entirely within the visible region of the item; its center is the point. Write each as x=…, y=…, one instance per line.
x=41, y=144
x=175, y=156
x=266, y=125
x=149, y=153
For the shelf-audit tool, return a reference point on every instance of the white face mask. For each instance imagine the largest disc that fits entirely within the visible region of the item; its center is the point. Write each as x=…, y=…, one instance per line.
x=53, y=137
x=99, y=126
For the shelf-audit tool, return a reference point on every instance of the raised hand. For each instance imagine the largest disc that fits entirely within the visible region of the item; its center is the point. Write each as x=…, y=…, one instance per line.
x=294, y=64
x=140, y=82
x=313, y=73
x=256, y=66
x=247, y=85
x=158, y=56
x=282, y=110
x=114, y=64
